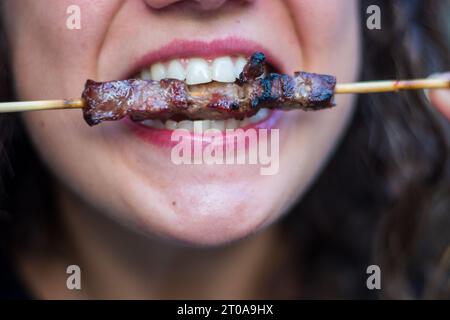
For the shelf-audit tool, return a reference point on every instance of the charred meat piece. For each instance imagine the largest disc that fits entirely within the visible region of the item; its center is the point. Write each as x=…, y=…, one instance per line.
x=254, y=68
x=170, y=98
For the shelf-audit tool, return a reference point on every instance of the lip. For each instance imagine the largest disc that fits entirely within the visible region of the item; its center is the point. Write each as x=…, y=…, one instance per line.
x=178, y=49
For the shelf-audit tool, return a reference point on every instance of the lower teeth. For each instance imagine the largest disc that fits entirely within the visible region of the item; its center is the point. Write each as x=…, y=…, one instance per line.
x=207, y=124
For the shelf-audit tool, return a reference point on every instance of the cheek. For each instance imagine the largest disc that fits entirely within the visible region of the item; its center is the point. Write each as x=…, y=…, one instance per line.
x=329, y=34
x=87, y=164
x=44, y=50
x=76, y=154
x=326, y=20
x=61, y=142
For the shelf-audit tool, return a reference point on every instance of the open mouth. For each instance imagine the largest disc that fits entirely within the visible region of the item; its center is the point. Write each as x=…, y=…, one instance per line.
x=208, y=91
x=195, y=71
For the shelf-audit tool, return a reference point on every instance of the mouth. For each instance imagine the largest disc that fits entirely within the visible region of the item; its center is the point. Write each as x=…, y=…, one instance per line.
x=197, y=62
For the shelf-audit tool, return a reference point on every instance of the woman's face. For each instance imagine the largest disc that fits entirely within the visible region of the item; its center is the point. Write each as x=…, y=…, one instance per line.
x=126, y=171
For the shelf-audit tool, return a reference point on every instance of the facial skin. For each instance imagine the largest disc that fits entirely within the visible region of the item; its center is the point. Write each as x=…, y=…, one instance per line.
x=113, y=172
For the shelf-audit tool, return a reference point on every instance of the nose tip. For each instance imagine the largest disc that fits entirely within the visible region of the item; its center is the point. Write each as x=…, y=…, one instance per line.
x=202, y=4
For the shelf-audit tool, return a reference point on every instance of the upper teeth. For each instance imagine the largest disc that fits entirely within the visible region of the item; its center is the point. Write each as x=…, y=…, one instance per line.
x=222, y=70
x=175, y=70
x=197, y=70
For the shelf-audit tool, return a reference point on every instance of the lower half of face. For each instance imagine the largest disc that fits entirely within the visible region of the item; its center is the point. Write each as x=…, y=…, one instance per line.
x=141, y=173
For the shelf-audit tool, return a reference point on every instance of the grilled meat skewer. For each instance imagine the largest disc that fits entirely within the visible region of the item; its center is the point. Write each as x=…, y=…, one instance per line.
x=170, y=98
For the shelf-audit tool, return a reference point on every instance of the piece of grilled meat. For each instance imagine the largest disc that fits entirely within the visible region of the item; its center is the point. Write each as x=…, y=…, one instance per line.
x=170, y=98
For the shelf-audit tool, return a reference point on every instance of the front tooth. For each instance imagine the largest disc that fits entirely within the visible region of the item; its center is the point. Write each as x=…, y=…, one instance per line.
x=203, y=125
x=158, y=71
x=231, y=124
x=186, y=124
x=198, y=71
x=239, y=66
x=171, y=125
x=218, y=124
x=222, y=70
x=175, y=70
x=200, y=125
x=145, y=75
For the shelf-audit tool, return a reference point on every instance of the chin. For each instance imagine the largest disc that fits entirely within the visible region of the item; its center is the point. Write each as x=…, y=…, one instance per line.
x=207, y=216
x=207, y=231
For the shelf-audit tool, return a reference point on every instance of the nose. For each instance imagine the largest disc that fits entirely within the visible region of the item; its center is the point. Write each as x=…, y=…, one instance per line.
x=202, y=4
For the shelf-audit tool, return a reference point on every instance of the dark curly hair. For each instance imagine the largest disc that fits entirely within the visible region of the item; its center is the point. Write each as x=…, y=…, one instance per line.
x=384, y=198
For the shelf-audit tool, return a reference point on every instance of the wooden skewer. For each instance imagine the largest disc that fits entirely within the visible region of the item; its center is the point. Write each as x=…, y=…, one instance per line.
x=344, y=88
x=392, y=86
x=20, y=106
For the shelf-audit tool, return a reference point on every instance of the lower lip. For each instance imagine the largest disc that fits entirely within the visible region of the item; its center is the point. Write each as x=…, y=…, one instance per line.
x=162, y=138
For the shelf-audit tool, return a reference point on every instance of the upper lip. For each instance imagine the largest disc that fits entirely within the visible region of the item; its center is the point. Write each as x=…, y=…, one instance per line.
x=208, y=50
